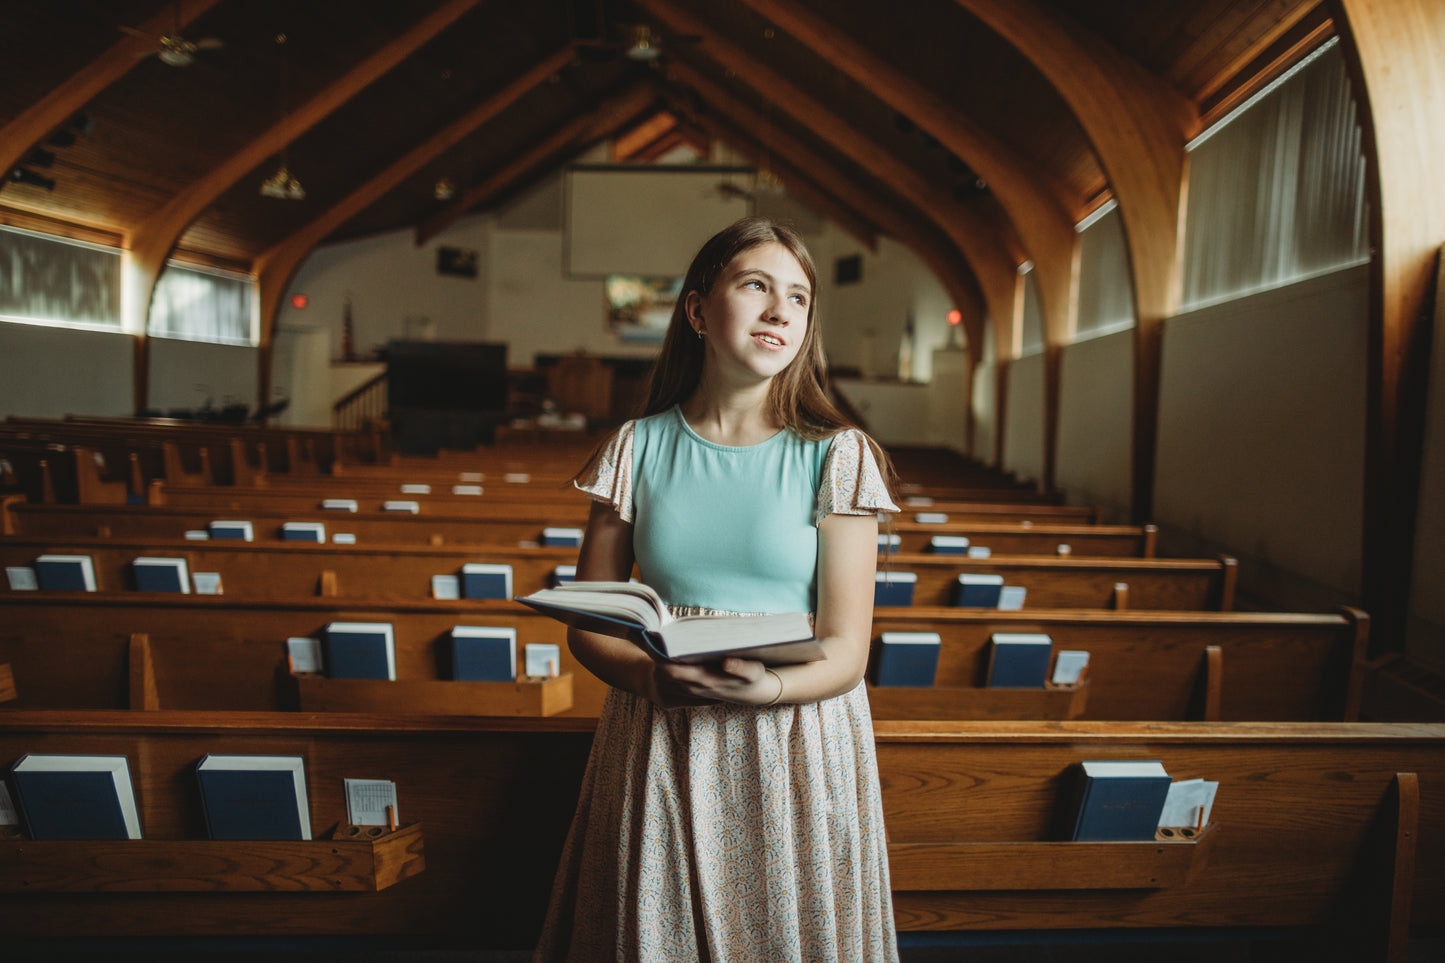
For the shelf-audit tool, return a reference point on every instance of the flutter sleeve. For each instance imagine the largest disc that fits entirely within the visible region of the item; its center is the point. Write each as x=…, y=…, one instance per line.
x=609, y=478
x=852, y=483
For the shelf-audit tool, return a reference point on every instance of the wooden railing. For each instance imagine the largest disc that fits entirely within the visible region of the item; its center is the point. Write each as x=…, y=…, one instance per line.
x=364, y=407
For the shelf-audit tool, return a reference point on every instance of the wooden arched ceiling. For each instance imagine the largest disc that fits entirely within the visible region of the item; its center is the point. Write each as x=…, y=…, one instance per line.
x=155, y=131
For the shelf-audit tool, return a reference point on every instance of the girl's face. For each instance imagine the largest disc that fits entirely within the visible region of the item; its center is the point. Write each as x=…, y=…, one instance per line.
x=756, y=315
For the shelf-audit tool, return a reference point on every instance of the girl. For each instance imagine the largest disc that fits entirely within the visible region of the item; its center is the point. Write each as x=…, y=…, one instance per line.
x=732, y=812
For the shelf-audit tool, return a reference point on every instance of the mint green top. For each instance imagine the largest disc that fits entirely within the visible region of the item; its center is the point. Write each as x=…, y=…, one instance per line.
x=732, y=529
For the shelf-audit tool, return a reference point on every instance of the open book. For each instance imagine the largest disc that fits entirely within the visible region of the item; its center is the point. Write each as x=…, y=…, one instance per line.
x=633, y=611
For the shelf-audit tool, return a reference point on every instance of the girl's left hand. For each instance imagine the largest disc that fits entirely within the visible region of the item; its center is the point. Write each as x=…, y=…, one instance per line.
x=743, y=681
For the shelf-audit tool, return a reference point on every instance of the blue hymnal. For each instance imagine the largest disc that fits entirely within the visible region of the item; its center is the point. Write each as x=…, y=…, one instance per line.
x=1019, y=660
x=566, y=537
x=75, y=797
x=161, y=575
x=359, y=650
x=65, y=573
x=907, y=658
x=486, y=581
x=254, y=797
x=893, y=588
x=889, y=544
x=483, y=653
x=304, y=532
x=563, y=573
x=1115, y=801
x=231, y=529
x=948, y=544
x=978, y=591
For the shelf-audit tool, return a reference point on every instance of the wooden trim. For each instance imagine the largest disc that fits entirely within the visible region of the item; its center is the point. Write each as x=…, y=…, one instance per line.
x=143, y=693
x=643, y=135
x=524, y=697
x=8, y=692
x=1211, y=670
x=1275, y=53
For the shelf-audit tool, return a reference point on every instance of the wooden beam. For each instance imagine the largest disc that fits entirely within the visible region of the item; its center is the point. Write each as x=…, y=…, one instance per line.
x=983, y=245
x=1138, y=126
x=151, y=241
x=939, y=255
x=276, y=267
x=628, y=145
x=1290, y=17
x=1396, y=53
x=582, y=129
x=58, y=106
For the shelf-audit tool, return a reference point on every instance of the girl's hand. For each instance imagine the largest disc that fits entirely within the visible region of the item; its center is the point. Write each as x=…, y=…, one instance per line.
x=742, y=681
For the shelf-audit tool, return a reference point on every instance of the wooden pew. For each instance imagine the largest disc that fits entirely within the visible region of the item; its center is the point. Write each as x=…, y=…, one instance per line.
x=1025, y=537
x=1229, y=666
x=1308, y=818
x=207, y=652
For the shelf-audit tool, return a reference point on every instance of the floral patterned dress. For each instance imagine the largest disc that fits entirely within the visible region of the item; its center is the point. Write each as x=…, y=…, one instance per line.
x=725, y=832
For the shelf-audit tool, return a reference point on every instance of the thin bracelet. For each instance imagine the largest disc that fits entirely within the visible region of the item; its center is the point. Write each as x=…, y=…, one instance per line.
x=779, y=696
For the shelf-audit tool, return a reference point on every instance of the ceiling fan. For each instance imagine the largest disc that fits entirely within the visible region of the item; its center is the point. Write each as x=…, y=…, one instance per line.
x=172, y=48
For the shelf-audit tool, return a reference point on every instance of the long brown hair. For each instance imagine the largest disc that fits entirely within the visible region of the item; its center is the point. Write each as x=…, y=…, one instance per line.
x=797, y=399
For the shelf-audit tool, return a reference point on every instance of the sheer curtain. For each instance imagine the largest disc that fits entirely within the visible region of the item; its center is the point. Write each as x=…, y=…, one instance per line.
x=58, y=281
x=196, y=305
x=1106, y=301
x=1033, y=333
x=1277, y=190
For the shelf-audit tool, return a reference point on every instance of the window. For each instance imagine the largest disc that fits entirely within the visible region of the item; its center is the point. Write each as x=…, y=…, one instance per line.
x=1277, y=189
x=52, y=280
x=201, y=305
x=1106, y=300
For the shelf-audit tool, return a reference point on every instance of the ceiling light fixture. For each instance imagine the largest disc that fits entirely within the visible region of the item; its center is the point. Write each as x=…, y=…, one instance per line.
x=644, y=47
x=283, y=184
x=444, y=189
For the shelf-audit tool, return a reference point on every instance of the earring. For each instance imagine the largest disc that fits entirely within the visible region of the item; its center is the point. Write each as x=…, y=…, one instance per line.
x=698, y=332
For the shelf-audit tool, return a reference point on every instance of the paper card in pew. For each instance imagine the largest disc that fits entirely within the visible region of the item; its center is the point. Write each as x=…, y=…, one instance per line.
x=304, y=532
x=65, y=573
x=367, y=801
x=1113, y=801
x=980, y=551
x=481, y=653
x=75, y=797
x=359, y=650
x=446, y=587
x=416, y=489
x=918, y=501
x=207, y=583
x=410, y=507
x=894, y=588
x=466, y=489
x=161, y=574
x=1069, y=666
x=197, y=535
x=9, y=815
x=1188, y=803
x=254, y=797
x=542, y=659
x=304, y=654
x=1018, y=660
x=889, y=544
x=565, y=537
x=931, y=518
x=948, y=544
x=340, y=505
x=907, y=658
x=977, y=591
x=562, y=573
x=1011, y=598
x=471, y=476
x=228, y=528
x=343, y=538
x=482, y=580
x=21, y=578
x=516, y=478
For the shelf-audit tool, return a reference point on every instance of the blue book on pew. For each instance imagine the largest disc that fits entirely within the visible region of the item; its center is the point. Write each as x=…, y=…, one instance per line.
x=231, y=529
x=75, y=797
x=254, y=797
x=359, y=650
x=1018, y=660
x=65, y=573
x=483, y=653
x=304, y=532
x=1113, y=801
x=977, y=591
x=161, y=574
x=565, y=537
x=481, y=580
x=562, y=573
x=948, y=544
x=894, y=588
x=907, y=658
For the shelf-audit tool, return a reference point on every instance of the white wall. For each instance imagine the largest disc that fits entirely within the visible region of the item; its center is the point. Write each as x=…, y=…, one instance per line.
x=1261, y=428
x=185, y=374
x=1094, y=446
x=53, y=372
x=985, y=412
x=1425, y=635
x=1023, y=434
x=895, y=412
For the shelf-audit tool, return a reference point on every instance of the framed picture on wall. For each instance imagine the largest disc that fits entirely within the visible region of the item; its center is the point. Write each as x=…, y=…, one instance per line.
x=639, y=308
x=457, y=262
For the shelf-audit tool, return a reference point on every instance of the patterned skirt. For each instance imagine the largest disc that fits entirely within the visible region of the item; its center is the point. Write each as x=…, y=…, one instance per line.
x=726, y=833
